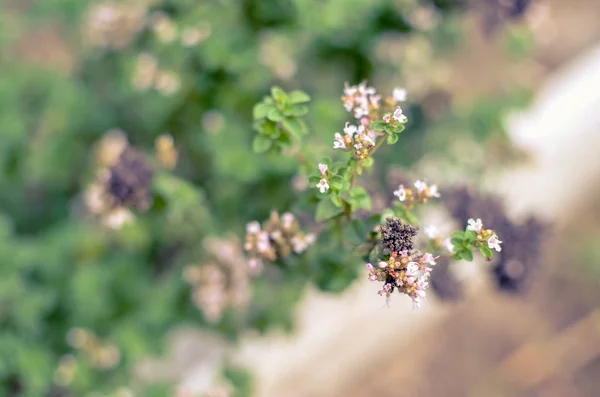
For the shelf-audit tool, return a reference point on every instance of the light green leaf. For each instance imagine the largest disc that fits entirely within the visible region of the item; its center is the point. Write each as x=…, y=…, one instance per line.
x=326, y=210
x=261, y=110
x=296, y=110
x=298, y=97
x=294, y=126
x=391, y=139
x=278, y=94
x=261, y=144
x=274, y=115
x=486, y=252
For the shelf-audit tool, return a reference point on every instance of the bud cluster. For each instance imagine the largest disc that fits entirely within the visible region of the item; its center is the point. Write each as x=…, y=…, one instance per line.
x=278, y=237
x=484, y=236
x=421, y=193
x=100, y=355
x=221, y=282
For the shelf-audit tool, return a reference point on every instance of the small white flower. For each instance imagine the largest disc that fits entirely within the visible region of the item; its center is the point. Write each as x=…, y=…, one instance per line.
x=428, y=259
x=399, y=95
x=299, y=244
x=310, y=238
x=416, y=303
x=387, y=117
x=253, y=227
x=323, y=185
x=287, y=219
x=420, y=185
x=475, y=225
x=398, y=116
x=494, y=243
x=382, y=264
x=400, y=193
x=423, y=283
x=432, y=232
x=323, y=168
x=263, y=245
x=350, y=129
x=412, y=268
x=338, y=142
x=448, y=244
x=433, y=191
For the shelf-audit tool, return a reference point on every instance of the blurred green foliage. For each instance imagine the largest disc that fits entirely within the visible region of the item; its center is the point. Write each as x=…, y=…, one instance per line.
x=59, y=271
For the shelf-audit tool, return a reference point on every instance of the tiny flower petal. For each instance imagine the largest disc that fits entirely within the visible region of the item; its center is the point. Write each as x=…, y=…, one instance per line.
x=475, y=225
x=323, y=168
x=399, y=95
x=382, y=264
x=400, y=193
x=253, y=227
x=323, y=185
x=432, y=232
x=420, y=186
x=494, y=243
x=433, y=191
x=448, y=244
x=370, y=267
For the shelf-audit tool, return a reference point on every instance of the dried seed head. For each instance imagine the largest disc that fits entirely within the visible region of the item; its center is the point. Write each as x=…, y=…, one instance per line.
x=129, y=181
x=396, y=237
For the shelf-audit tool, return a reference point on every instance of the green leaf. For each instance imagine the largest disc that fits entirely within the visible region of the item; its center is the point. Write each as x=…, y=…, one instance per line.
x=296, y=110
x=455, y=241
x=261, y=144
x=336, y=182
x=294, y=126
x=368, y=162
x=336, y=200
x=326, y=210
x=391, y=139
x=298, y=97
x=378, y=125
x=399, y=128
x=467, y=255
x=275, y=115
x=279, y=95
x=471, y=236
x=261, y=110
x=359, y=198
x=389, y=129
x=458, y=235
x=486, y=252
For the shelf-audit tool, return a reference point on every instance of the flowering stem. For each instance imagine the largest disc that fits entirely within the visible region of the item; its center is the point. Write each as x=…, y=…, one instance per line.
x=377, y=146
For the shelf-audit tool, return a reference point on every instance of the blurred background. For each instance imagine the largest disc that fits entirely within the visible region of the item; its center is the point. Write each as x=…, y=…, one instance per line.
x=157, y=299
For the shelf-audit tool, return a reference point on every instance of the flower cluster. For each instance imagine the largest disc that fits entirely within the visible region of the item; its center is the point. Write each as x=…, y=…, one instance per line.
x=323, y=185
x=123, y=184
x=484, y=236
x=407, y=273
x=401, y=268
x=421, y=193
x=101, y=355
x=357, y=139
x=113, y=25
x=221, y=282
x=147, y=75
x=360, y=100
x=277, y=238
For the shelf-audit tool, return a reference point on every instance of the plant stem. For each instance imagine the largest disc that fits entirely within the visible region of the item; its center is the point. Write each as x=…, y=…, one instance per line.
x=377, y=146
